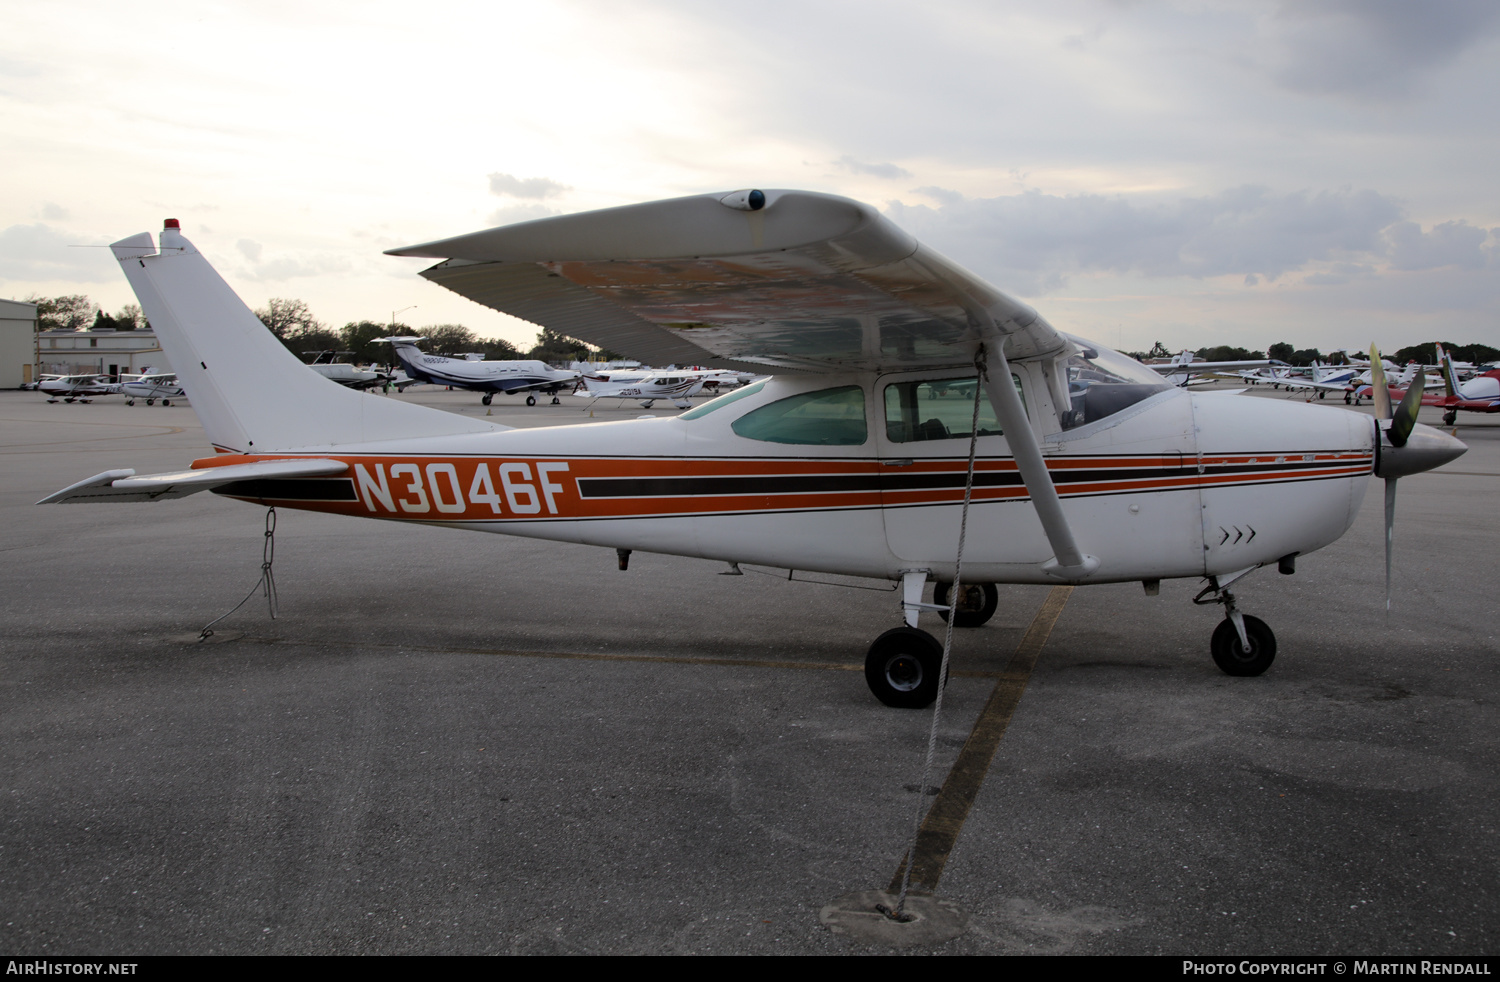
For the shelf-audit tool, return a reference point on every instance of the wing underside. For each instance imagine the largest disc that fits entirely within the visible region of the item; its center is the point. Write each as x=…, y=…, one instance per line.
x=812, y=282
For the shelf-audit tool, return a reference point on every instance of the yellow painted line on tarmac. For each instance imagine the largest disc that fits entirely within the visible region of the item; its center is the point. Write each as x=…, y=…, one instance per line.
x=603, y=656
x=950, y=809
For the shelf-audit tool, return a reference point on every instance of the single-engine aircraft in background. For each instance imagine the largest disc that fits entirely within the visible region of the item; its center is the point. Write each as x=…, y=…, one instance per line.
x=151, y=387
x=1183, y=371
x=77, y=388
x=1480, y=394
x=488, y=377
x=643, y=386
x=854, y=459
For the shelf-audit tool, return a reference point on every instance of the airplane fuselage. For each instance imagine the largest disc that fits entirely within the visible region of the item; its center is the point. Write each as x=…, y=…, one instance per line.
x=1169, y=502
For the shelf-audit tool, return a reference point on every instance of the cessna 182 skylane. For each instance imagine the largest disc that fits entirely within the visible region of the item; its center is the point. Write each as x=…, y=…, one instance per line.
x=1088, y=467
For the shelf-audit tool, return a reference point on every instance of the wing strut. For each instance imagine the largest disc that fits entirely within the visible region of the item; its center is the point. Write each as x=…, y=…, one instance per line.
x=1068, y=561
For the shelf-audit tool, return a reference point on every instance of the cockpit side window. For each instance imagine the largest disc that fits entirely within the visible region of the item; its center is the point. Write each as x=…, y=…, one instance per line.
x=1102, y=382
x=938, y=409
x=827, y=417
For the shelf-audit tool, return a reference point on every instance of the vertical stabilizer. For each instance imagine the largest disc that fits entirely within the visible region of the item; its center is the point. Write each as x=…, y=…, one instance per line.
x=252, y=394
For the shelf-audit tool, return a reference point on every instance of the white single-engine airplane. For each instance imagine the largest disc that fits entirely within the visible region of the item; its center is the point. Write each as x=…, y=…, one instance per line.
x=644, y=386
x=1087, y=467
x=488, y=377
x=151, y=387
x=79, y=388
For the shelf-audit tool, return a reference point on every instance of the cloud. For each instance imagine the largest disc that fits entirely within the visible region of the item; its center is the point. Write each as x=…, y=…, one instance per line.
x=520, y=213
x=1033, y=241
x=1454, y=243
x=1373, y=48
x=297, y=267
x=531, y=187
x=887, y=171
x=40, y=252
x=250, y=249
x=54, y=212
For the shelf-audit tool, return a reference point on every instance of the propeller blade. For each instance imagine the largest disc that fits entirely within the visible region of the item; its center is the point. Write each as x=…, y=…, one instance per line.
x=1380, y=391
x=1405, y=416
x=1390, y=521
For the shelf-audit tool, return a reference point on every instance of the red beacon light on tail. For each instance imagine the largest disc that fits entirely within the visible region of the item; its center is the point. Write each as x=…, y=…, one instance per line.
x=171, y=223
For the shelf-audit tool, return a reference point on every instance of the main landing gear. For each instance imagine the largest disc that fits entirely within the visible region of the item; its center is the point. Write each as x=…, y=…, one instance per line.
x=487, y=398
x=1242, y=645
x=531, y=400
x=904, y=665
x=1450, y=417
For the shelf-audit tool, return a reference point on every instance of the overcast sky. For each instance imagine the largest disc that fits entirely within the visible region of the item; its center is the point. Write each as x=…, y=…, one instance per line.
x=1195, y=173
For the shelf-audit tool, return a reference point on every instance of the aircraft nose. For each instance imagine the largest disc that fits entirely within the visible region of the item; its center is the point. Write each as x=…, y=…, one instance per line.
x=1425, y=449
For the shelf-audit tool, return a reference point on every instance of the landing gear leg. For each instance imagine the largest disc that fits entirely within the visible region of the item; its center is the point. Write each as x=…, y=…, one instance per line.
x=1242, y=645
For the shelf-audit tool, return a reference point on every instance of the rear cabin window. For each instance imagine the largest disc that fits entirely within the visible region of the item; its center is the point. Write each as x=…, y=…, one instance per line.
x=938, y=409
x=826, y=418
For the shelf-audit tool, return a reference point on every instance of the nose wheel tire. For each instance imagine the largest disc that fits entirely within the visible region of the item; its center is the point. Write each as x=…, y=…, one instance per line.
x=487, y=398
x=975, y=607
x=902, y=668
x=1232, y=658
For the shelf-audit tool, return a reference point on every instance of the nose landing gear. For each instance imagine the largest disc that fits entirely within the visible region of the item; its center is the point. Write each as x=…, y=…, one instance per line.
x=1242, y=645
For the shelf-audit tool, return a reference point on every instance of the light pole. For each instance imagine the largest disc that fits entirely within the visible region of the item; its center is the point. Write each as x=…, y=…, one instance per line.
x=393, y=326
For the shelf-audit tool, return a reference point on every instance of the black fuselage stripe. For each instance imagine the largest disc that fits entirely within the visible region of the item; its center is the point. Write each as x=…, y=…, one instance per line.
x=687, y=487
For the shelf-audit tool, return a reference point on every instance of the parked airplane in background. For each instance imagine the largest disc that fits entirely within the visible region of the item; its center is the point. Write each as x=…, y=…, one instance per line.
x=1480, y=394
x=920, y=402
x=645, y=386
x=150, y=387
x=488, y=377
x=1183, y=371
x=77, y=388
x=327, y=364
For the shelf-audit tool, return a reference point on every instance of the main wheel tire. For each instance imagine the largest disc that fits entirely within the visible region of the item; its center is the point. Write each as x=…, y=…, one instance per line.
x=129, y=402
x=487, y=398
x=150, y=402
x=902, y=668
x=975, y=607
x=1232, y=659
x=166, y=402
x=1450, y=418
x=531, y=400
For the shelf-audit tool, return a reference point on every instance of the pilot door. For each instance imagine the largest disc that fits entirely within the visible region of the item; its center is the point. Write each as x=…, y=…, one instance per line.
x=924, y=422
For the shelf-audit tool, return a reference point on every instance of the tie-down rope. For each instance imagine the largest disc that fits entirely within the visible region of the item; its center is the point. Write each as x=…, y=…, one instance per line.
x=267, y=582
x=899, y=913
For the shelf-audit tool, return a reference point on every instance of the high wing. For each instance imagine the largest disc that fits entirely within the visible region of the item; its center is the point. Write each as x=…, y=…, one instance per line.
x=793, y=280
x=123, y=485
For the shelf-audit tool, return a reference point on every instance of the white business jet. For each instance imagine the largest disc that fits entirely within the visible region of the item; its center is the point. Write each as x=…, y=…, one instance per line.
x=911, y=387
x=488, y=377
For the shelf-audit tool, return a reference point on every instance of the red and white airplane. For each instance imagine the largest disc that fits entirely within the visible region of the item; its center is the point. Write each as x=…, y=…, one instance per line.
x=1082, y=466
x=1480, y=394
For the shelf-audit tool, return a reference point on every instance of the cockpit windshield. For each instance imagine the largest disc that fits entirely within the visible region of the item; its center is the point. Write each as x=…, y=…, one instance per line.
x=1102, y=382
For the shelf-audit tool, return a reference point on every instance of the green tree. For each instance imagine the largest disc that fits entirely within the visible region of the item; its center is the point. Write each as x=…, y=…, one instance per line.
x=499, y=349
x=103, y=322
x=284, y=317
x=453, y=340
x=74, y=312
x=557, y=348
x=359, y=337
x=130, y=318
x=1281, y=351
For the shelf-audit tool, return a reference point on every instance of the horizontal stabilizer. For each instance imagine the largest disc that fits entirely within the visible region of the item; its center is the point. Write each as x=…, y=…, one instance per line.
x=123, y=485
